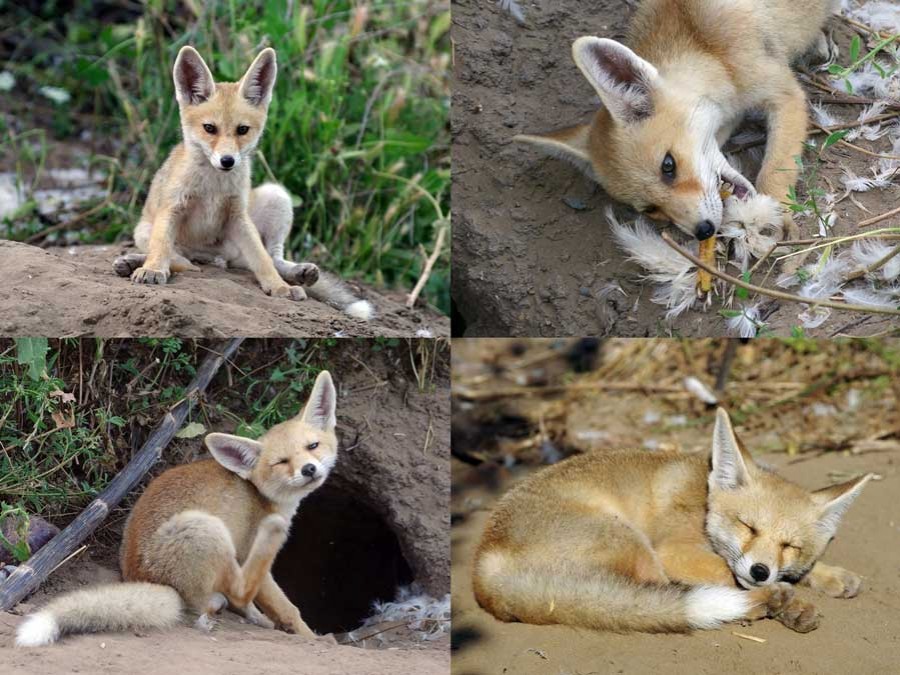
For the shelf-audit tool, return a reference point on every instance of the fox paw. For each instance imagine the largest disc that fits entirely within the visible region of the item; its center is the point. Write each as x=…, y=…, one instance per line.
x=285, y=291
x=145, y=275
x=205, y=623
x=257, y=618
x=779, y=597
x=839, y=583
x=800, y=616
x=304, y=274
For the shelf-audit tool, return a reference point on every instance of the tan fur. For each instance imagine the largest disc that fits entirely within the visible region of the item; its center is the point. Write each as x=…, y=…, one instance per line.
x=197, y=210
x=210, y=530
x=716, y=60
x=597, y=541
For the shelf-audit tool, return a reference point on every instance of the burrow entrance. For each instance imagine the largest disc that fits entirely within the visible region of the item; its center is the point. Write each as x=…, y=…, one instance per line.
x=341, y=557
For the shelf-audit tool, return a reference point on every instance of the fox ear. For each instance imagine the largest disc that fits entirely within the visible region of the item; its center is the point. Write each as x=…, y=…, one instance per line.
x=320, y=408
x=193, y=80
x=238, y=455
x=730, y=462
x=623, y=80
x=836, y=499
x=570, y=144
x=258, y=81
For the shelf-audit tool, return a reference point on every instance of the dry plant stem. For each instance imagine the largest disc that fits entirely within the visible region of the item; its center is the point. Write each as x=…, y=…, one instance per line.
x=69, y=223
x=874, y=266
x=426, y=272
x=771, y=293
x=862, y=26
x=847, y=144
x=837, y=240
x=853, y=125
x=29, y=575
x=471, y=395
x=825, y=240
x=879, y=218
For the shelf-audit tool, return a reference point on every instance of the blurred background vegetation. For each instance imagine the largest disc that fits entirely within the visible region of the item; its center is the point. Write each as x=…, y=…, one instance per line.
x=358, y=130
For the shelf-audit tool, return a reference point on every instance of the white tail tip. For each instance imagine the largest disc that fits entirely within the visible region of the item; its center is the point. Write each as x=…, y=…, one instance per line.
x=711, y=606
x=361, y=309
x=39, y=629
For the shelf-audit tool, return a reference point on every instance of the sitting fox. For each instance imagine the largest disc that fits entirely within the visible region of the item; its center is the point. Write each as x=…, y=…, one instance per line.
x=201, y=207
x=205, y=534
x=661, y=542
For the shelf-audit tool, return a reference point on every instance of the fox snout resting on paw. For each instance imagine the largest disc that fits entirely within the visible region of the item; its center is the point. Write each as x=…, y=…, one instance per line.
x=638, y=541
x=201, y=207
x=205, y=535
x=693, y=70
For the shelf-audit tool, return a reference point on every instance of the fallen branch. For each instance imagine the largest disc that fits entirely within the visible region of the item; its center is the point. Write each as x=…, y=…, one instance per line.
x=879, y=218
x=771, y=293
x=429, y=264
x=848, y=144
x=868, y=269
x=30, y=574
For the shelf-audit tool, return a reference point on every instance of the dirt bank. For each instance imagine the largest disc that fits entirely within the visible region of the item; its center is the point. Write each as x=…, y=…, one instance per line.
x=532, y=250
x=73, y=291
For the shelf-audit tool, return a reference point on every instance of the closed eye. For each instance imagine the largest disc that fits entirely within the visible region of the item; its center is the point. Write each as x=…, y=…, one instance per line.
x=749, y=527
x=798, y=549
x=284, y=460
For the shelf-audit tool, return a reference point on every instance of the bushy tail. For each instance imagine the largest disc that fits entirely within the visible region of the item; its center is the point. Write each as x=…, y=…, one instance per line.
x=112, y=607
x=512, y=588
x=331, y=290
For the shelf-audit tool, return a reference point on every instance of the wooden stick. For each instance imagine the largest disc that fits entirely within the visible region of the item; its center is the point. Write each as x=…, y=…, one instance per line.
x=775, y=294
x=30, y=574
x=426, y=271
x=868, y=269
x=879, y=218
x=848, y=144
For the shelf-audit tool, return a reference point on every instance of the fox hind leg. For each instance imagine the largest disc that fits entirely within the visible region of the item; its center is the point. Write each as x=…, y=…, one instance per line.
x=272, y=213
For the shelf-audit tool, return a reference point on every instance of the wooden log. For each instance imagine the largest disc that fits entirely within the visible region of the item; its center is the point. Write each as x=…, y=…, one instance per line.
x=30, y=574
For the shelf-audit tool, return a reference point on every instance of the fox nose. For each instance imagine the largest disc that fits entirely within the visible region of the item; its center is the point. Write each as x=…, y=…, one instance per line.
x=704, y=230
x=759, y=572
x=228, y=161
x=309, y=470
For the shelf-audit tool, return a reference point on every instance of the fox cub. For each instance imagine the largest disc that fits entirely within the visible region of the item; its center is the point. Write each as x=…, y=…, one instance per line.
x=635, y=541
x=205, y=535
x=201, y=207
x=695, y=68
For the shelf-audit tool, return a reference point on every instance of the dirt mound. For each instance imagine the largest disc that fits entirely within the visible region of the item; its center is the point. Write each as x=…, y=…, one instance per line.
x=532, y=251
x=70, y=292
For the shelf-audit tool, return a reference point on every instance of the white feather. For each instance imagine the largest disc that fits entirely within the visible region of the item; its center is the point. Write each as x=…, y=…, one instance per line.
x=747, y=323
x=866, y=252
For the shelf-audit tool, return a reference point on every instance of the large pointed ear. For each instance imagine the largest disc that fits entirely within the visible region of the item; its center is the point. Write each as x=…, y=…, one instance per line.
x=319, y=410
x=730, y=462
x=570, y=144
x=836, y=499
x=193, y=80
x=236, y=454
x=257, y=83
x=623, y=80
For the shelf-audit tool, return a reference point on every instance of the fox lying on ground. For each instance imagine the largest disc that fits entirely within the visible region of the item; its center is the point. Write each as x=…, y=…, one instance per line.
x=205, y=534
x=695, y=68
x=201, y=207
x=638, y=541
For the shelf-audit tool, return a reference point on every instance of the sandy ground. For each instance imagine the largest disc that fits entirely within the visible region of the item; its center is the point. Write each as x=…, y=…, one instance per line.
x=232, y=647
x=73, y=291
x=858, y=635
x=532, y=251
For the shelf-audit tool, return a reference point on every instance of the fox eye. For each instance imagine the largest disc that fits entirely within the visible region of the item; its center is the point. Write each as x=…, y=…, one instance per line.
x=786, y=546
x=750, y=528
x=668, y=168
x=312, y=446
x=242, y=129
x=209, y=128
x=282, y=461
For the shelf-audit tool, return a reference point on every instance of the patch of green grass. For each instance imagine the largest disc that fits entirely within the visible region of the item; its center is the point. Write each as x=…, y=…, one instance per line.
x=357, y=130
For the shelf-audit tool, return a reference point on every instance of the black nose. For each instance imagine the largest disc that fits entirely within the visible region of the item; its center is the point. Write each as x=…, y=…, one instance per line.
x=309, y=470
x=759, y=572
x=704, y=230
x=228, y=161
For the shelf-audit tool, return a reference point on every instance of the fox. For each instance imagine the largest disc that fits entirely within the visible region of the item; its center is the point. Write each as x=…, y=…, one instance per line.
x=201, y=208
x=670, y=101
x=204, y=535
x=661, y=542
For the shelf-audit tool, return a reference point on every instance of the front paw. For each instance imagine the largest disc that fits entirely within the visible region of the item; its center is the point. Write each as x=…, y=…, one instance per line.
x=800, y=615
x=146, y=275
x=778, y=597
x=838, y=583
x=284, y=291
